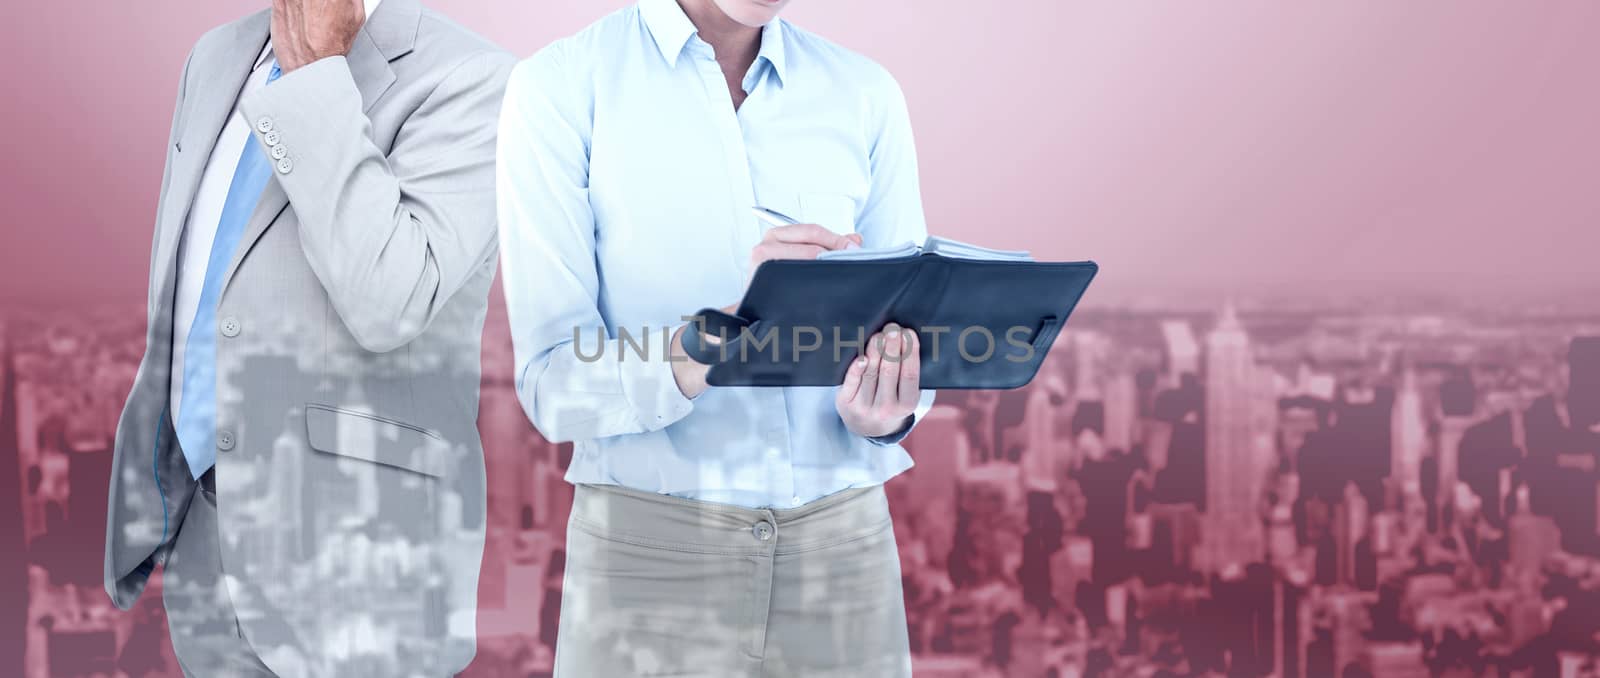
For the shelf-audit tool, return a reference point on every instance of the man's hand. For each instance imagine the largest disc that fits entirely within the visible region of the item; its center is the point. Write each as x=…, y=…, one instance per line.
x=881, y=389
x=304, y=31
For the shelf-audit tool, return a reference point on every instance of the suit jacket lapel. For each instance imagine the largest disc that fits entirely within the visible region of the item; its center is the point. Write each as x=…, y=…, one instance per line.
x=219, y=73
x=271, y=206
x=388, y=34
x=369, y=67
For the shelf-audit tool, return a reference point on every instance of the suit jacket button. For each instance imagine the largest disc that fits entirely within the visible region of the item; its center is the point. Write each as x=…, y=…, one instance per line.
x=264, y=125
x=284, y=166
x=230, y=327
x=225, y=440
x=272, y=138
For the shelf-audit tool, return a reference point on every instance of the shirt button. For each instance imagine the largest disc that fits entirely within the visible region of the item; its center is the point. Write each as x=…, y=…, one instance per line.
x=284, y=166
x=224, y=440
x=272, y=138
x=230, y=327
x=279, y=152
x=264, y=125
x=762, y=531
x=796, y=501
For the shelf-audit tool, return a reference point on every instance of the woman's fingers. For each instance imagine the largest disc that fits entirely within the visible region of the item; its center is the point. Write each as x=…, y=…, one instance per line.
x=882, y=387
x=910, y=389
x=768, y=251
x=868, y=394
x=852, y=382
x=796, y=241
x=812, y=234
x=891, y=342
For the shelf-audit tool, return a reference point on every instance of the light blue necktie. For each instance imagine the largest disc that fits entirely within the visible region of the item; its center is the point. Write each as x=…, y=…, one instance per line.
x=197, y=414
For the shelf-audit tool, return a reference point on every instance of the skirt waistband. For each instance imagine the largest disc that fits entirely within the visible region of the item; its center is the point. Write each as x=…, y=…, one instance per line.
x=663, y=521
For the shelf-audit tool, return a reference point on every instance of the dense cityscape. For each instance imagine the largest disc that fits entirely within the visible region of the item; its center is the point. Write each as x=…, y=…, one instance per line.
x=1282, y=490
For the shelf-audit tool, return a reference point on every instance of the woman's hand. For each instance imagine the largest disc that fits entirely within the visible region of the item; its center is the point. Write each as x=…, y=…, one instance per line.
x=690, y=375
x=797, y=241
x=794, y=241
x=881, y=389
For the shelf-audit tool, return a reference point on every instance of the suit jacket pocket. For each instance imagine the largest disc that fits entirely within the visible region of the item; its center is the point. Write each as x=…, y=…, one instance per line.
x=368, y=437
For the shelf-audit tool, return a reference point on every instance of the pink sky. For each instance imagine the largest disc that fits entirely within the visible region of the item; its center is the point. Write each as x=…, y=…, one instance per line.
x=1250, y=142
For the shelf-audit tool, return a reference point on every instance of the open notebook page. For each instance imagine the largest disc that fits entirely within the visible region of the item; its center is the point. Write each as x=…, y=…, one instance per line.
x=946, y=247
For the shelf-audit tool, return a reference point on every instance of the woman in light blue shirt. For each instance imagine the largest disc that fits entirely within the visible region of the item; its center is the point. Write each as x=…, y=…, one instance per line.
x=715, y=531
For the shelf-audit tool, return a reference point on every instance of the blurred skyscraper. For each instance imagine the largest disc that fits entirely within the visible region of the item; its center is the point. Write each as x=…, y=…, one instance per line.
x=1181, y=351
x=1583, y=365
x=1533, y=538
x=1122, y=411
x=1234, y=469
x=1457, y=404
x=13, y=559
x=1410, y=433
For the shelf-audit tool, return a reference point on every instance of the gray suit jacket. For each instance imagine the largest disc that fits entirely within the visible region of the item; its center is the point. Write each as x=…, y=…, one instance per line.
x=350, y=477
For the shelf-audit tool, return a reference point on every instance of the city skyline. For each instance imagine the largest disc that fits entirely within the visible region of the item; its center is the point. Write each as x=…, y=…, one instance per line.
x=1077, y=522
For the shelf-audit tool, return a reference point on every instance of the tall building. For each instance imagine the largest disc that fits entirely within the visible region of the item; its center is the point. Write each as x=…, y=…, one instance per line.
x=1451, y=430
x=13, y=559
x=1349, y=528
x=1291, y=621
x=1348, y=619
x=1175, y=536
x=287, y=476
x=1485, y=461
x=1235, y=463
x=1180, y=350
x=1043, y=451
x=1409, y=432
x=1583, y=395
x=1533, y=538
x=1457, y=404
x=1122, y=411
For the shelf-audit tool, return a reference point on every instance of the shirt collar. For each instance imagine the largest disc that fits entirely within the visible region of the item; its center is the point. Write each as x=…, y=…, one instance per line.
x=772, y=46
x=671, y=29
x=266, y=56
x=266, y=52
x=669, y=26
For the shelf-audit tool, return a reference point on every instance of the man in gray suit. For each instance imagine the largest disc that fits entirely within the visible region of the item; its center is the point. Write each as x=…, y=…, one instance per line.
x=299, y=448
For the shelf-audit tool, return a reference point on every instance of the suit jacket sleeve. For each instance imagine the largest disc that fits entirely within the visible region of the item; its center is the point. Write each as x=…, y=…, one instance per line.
x=390, y=237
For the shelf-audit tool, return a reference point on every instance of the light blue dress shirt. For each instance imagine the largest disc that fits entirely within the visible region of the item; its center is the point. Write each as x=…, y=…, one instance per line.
x=626, y=179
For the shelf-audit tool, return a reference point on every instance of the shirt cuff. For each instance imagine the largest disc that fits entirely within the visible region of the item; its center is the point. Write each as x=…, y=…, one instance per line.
x=652, y=391
x=924, y=404
x=897, y=436
x=304, y=119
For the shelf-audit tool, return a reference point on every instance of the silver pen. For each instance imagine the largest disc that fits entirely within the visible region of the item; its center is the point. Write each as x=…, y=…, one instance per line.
x=773, y=217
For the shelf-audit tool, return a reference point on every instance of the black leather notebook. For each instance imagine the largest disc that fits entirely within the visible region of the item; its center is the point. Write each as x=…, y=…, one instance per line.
x=982, y=324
